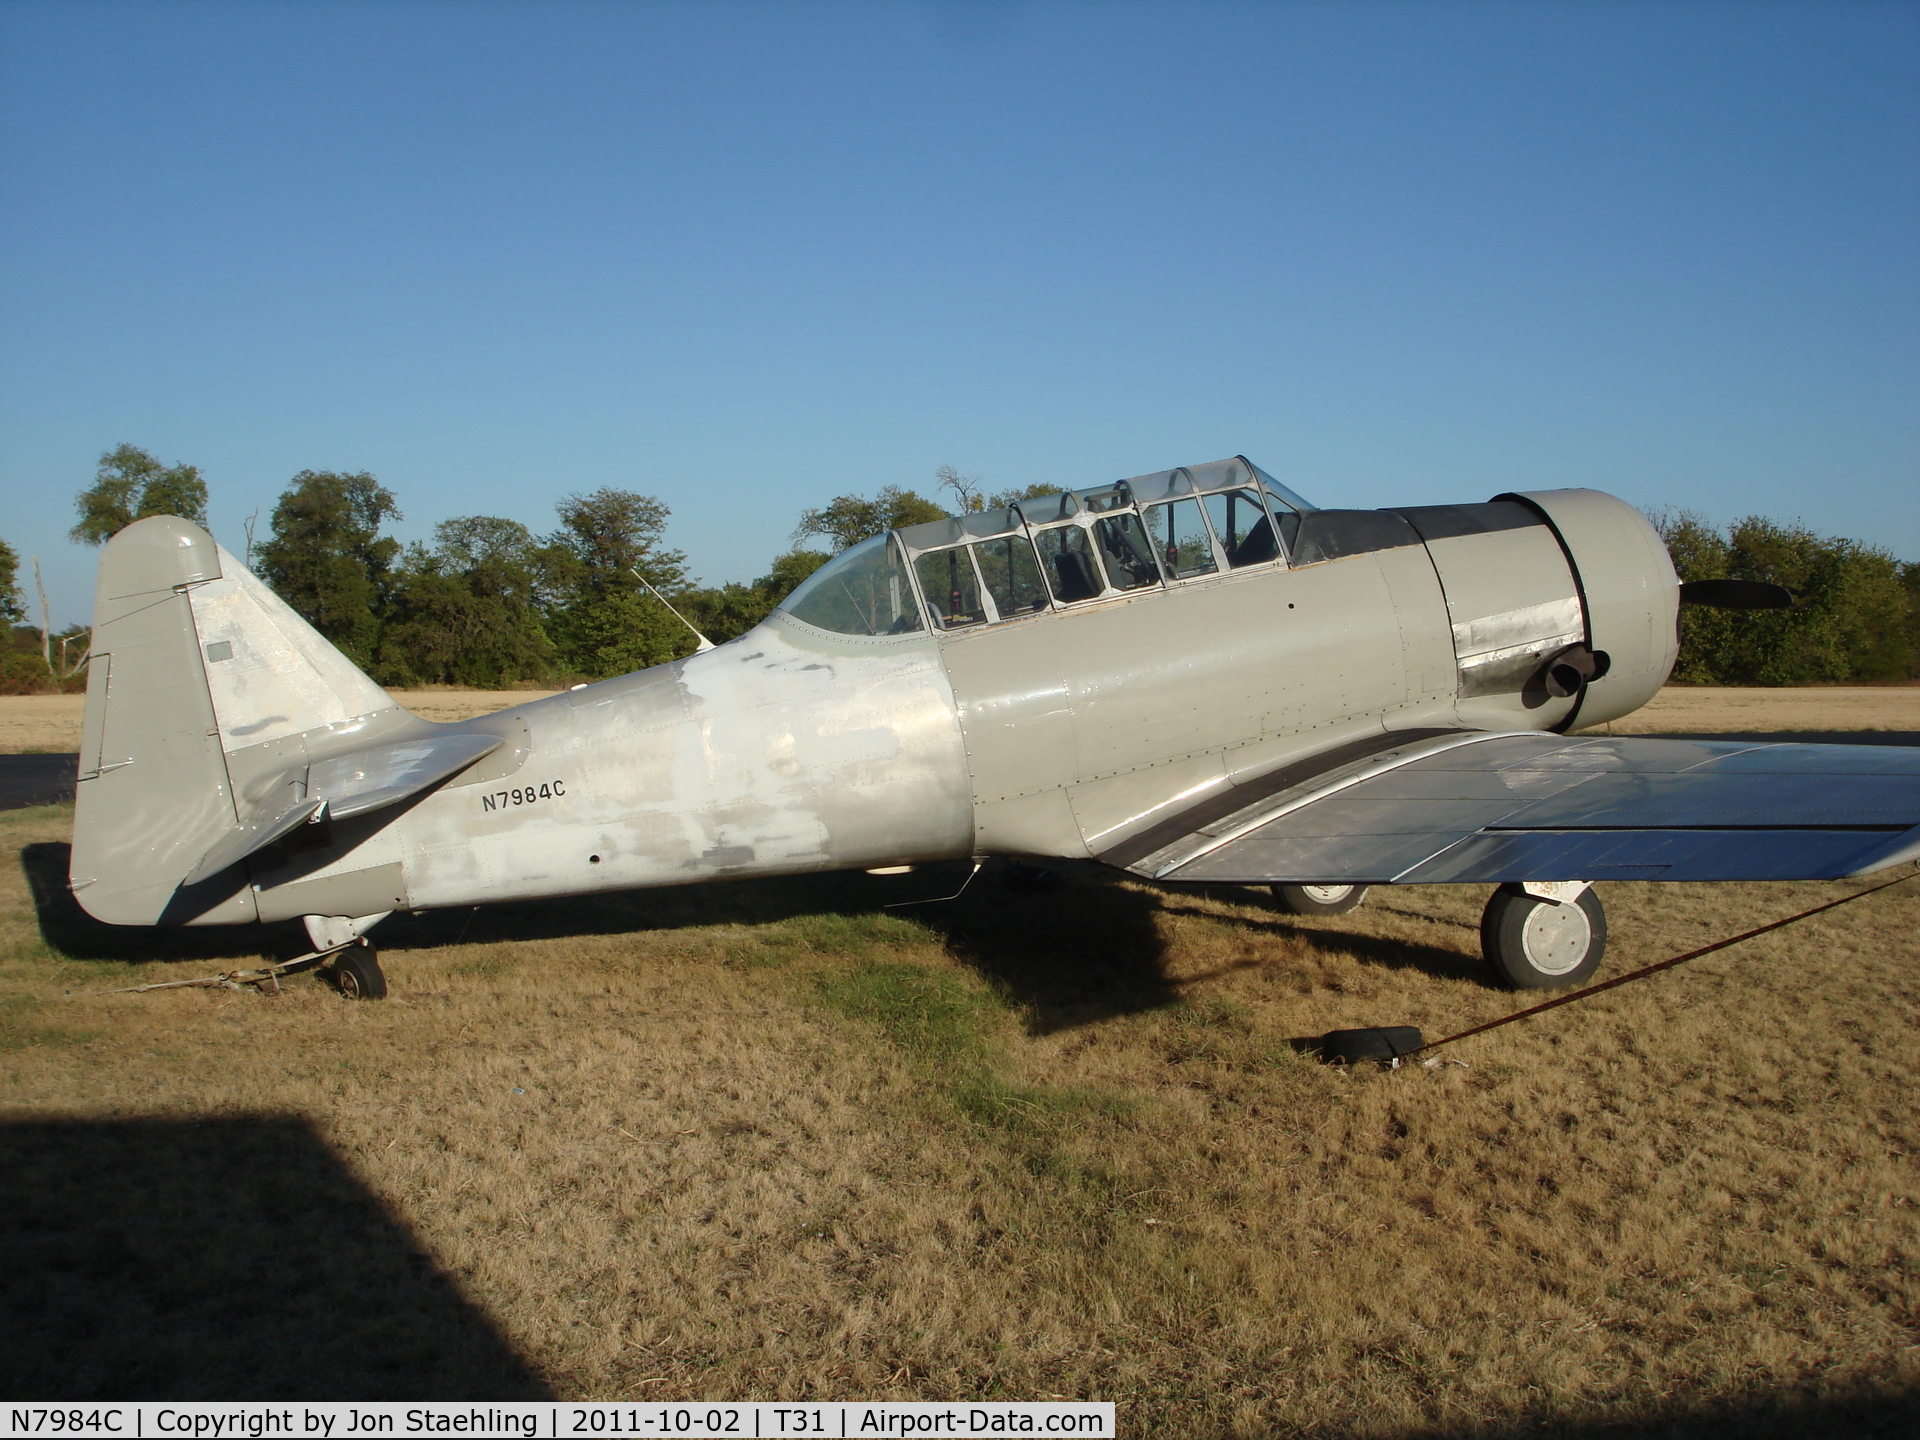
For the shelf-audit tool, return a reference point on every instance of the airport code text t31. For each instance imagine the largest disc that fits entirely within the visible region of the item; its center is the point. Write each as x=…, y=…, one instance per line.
x=256, y=1420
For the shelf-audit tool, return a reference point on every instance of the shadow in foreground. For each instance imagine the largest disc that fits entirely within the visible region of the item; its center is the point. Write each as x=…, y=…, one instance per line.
x=223, y=1259
x=36, y=780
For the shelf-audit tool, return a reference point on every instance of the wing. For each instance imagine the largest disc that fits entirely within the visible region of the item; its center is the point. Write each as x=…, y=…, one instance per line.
x=1459, y=806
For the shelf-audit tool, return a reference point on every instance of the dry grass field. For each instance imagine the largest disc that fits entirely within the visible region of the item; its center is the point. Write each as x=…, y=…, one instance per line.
x=42, y=724
x=771, y=1140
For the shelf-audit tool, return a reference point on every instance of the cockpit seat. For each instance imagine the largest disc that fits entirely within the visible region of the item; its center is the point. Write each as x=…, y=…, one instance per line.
x=1258, y=548
x=1073, y=577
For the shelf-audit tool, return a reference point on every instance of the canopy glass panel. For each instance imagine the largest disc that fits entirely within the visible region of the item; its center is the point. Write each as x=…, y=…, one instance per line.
x=861, y=591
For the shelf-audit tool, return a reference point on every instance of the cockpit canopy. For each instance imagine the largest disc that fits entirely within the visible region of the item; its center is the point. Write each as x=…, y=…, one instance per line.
x=1055, y=551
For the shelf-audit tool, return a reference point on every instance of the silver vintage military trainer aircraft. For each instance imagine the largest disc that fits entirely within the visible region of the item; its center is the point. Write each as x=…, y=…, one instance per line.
x=1195, y=676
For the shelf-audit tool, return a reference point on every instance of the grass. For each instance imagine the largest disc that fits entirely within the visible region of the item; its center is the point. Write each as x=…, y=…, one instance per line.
x=773, y=1140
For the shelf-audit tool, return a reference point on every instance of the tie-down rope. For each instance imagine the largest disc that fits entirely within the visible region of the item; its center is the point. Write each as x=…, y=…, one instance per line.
x=1647, y=970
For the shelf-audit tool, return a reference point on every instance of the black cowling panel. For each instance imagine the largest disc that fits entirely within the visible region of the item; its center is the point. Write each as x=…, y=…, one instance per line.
x=1335, y=534
x=1442, y=522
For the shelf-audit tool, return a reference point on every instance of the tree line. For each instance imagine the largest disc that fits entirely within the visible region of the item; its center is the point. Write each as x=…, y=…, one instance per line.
x=488, y=603
x=1855, y=612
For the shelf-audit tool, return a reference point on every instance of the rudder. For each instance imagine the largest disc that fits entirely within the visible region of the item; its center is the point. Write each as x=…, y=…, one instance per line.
x=213, y=712
x=152, y=792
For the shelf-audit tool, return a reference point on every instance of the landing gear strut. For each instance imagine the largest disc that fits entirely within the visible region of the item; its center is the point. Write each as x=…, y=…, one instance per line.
x=1543, y=942
x=355, y=970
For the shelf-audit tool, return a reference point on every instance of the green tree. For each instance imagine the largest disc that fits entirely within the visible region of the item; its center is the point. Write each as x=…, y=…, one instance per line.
x=467, y=611
x=1699, y=552
x=328, y=560
x=131, y=485
x=788, y=571
x=1000, y=499
x=728, y=611
x=1853, y=617
x=601, y=618
x=848, y=519
x=970, y=491
x=1910, y=584
x=13, y=605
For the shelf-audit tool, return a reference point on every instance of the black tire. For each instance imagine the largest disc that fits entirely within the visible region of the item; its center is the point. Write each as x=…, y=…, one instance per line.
x=1318, y=899
x=357, y=974
x=1536, y=944
x=1352, y=1046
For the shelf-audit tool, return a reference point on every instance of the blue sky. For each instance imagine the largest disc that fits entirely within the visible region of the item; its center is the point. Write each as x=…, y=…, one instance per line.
x=748, y=256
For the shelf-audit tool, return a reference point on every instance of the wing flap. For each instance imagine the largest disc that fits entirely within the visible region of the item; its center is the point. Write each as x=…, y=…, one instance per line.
x=1531, y=806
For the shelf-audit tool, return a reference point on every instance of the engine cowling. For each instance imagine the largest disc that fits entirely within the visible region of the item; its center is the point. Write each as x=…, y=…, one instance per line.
x=1628, y=592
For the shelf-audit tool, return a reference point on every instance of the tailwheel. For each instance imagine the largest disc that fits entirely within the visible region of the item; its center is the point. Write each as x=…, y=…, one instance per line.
x=1318, y=899
x=357, y=975
x=1538, y=942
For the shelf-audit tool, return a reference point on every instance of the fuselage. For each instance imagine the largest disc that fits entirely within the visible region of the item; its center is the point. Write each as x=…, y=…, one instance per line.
x=1057, y=728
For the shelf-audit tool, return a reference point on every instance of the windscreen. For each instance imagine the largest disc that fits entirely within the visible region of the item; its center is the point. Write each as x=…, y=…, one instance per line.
x=863, y=590
x=1281, y=492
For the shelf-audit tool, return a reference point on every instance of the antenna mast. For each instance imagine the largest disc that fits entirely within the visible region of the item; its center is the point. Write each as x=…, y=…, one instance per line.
x=705, y=644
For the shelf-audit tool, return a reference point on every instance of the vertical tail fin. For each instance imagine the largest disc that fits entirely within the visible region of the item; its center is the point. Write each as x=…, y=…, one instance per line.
x=203, y=694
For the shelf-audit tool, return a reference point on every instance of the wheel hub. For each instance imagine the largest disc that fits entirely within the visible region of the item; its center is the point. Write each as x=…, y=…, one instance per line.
x=1327, y=894
x=1556, y=938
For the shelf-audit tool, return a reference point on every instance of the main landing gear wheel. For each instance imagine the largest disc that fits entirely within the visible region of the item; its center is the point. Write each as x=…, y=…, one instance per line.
x=357, y=975
x=1318, y=899
x=1539, y=944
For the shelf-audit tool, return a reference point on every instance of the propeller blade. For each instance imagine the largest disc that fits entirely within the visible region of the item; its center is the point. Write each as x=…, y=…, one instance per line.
x=1736, y=594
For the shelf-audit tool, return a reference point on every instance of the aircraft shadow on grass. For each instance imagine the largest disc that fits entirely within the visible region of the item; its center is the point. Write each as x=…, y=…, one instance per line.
x=1086, y=950
x=1433, y=960
x=231, y=1258
x=236, y=1258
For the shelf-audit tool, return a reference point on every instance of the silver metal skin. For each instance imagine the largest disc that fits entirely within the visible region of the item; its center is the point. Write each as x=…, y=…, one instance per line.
x=1193, y=675
x=1532, y=807
x=790, y=749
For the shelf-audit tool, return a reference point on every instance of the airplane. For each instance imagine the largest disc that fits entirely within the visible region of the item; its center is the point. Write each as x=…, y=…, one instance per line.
x=1194, y=676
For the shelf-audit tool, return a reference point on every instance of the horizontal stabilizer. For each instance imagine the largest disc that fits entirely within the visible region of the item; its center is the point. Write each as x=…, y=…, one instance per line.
x=218, y=722
x=1503, y=807
x=260, y=830
x=363, y=780
x=346, y=785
